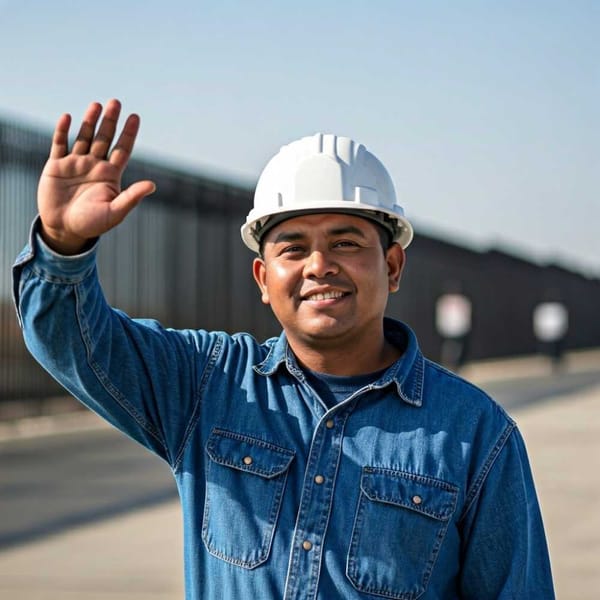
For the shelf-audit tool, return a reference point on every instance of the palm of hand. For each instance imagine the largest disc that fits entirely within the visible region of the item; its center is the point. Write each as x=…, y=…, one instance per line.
x=75, y=194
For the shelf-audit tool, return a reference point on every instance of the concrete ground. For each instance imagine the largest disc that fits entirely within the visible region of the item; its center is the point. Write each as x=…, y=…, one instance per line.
x=563, y=440
x=139, y=555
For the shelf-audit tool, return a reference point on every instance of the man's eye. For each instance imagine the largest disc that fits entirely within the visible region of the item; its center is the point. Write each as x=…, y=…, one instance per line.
x=345, y=244
x=292, y=249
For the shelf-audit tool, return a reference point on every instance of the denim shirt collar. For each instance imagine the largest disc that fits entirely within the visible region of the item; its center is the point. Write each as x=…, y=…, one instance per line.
x=406, y=373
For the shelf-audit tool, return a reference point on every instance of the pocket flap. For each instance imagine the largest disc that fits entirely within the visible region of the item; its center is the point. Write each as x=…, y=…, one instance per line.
x=247, y=453
x=426, y=495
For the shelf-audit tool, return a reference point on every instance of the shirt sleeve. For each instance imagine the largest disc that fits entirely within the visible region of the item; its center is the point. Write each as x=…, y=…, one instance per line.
x=142, y=378
x=504, y=550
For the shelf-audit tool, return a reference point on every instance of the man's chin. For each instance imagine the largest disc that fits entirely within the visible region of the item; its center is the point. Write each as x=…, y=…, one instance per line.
x=321, y=330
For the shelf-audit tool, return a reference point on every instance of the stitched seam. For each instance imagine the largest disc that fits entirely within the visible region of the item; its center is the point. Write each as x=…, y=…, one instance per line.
x=103, y=378
x=61, y=280
x=466, y=382
x=25, y=276
x=325, y=517
x=217, y=458
x=352, y=562
x=478, y=483
x=240, y=437
x=420, y=376
x=208, y=369
x=426, y=479
x=447, y=488
x=278, y=484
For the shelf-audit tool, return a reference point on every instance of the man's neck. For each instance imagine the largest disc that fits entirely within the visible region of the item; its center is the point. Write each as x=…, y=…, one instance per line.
x=349, y=359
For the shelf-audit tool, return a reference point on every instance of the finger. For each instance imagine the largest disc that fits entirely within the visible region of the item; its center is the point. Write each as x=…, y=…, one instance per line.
x=129, y=198
x=106, y=131
x=88, y=126
x=120, y=154
x=60, y=139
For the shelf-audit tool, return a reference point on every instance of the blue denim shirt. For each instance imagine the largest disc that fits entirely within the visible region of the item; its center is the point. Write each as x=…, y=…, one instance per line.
x=415, y=486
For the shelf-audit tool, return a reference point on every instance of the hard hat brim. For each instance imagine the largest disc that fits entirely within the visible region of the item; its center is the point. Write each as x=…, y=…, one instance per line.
x=256, y=227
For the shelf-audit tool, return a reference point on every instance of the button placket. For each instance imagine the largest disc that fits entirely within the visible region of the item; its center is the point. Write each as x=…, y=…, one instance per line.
x=315, y=507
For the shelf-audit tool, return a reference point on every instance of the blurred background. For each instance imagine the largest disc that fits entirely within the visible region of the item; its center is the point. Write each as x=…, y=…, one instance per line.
x=486, y=116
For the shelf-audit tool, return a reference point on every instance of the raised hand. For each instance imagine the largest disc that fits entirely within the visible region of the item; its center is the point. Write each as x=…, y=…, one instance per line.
x=79, y=192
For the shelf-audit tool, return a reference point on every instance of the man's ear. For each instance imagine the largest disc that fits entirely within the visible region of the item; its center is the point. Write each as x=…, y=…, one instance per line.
x=395, y=259
x=259, y=271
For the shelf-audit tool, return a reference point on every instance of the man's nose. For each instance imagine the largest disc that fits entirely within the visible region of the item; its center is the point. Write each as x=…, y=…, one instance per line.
x=319, y=264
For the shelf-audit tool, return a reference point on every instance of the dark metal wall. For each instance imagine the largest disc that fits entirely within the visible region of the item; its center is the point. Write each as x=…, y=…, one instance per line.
x=20, y=159
x=179, y=258
x=503, y=289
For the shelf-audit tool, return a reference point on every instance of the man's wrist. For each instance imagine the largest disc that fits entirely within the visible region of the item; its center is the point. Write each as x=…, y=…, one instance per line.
x=67, y=245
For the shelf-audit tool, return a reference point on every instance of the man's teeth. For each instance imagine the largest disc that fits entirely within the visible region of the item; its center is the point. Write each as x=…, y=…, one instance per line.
x=326, y=296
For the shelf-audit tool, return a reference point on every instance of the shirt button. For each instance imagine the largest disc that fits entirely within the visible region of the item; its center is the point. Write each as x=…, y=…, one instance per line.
x=306, y=545
x=330, y=424
x=417, y=499
x=247, y=460
x=319, y=479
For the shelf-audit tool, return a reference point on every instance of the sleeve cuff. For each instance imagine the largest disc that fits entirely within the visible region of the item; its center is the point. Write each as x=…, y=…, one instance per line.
x=52, y=265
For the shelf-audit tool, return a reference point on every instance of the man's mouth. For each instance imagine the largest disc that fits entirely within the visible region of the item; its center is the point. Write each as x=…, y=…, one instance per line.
x=325, y=296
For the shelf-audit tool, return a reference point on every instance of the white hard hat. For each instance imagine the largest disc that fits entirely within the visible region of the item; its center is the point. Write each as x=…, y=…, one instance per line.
x=324, y=173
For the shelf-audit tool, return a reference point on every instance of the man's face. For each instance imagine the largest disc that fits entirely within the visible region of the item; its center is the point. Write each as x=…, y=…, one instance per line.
x=327, y=278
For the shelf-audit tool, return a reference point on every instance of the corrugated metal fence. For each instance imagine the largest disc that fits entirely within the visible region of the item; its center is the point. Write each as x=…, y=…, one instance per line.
x=179, y=258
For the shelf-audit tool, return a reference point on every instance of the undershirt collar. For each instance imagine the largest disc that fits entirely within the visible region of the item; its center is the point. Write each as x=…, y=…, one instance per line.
x=333, y=389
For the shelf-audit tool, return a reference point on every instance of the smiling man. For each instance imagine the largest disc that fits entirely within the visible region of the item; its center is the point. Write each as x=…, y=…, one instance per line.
x=332, y=462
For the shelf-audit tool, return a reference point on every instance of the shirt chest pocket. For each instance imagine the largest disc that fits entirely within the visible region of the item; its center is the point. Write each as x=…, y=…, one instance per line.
x=245, y=479
x=400, y=523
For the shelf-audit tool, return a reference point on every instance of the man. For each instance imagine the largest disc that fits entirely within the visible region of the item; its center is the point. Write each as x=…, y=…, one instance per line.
x=332, y=462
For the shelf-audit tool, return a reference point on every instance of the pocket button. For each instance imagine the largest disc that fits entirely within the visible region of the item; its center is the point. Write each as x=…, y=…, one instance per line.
x=417, y=500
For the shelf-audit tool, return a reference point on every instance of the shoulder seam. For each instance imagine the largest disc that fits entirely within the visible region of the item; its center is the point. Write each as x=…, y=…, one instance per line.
x=479, y=481
x=471, y=385
x=208, y=369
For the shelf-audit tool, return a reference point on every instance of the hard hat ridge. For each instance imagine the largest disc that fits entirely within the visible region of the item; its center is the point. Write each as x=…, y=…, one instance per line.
x=324, y=173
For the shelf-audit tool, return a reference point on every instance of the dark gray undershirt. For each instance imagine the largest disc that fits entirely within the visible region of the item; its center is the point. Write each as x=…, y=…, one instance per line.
x=333, y=389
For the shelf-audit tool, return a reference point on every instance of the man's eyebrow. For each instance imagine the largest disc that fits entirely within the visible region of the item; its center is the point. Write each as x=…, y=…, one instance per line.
x=288, y=236
x=347, y=229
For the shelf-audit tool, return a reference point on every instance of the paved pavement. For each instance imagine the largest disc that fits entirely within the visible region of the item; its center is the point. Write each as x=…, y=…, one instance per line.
x=139, y=555
x=563, y=439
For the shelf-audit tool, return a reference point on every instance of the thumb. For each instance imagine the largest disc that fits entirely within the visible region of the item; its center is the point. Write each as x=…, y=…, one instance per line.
x=129, y=198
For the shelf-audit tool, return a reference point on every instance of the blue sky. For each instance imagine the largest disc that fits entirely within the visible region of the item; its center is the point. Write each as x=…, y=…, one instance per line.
x=485, y=113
